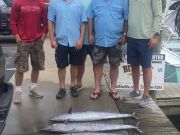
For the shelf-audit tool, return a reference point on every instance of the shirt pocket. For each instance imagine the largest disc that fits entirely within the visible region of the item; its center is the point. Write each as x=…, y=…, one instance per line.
x=99, y=10
x=116, y=12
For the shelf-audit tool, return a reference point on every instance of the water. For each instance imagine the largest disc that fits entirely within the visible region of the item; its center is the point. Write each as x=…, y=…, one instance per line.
x=175, y=119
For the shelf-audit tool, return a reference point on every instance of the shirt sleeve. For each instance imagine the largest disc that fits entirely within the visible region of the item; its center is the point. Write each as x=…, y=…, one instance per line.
x=44, y=19
x=84, y=15
x=126, y=9
x=51, y=12
x=90, y=12
x=157, y=12
x=14, y=17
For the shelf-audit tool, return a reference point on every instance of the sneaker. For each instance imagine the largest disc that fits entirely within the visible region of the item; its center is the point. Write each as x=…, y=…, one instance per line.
x=144, y=102
x=34, y=93
x=132, y=95
x=74, y=92
x=79, y=87
x=17, y=97
x=61, y=94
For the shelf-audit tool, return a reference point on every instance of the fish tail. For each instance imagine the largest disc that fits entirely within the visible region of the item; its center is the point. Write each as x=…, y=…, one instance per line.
x=134, y=116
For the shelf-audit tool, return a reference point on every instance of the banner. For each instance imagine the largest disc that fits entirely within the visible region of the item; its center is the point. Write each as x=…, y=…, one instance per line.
x=125, y=76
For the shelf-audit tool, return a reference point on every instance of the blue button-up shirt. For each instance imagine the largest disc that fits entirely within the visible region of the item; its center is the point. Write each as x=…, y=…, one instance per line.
x=68, y=18
x=109, y=17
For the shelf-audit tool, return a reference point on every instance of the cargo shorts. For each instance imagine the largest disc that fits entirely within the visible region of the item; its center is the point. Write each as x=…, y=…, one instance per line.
x=36, y=52
x=114, y=53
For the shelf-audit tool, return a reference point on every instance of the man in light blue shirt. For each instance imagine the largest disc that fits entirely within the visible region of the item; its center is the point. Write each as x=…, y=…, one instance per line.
x=108, y=19
x=66, y=21
x=87, y=49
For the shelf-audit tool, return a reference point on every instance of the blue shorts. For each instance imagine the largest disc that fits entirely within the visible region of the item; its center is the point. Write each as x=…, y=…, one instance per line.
x=138, y=52
x=66, y=55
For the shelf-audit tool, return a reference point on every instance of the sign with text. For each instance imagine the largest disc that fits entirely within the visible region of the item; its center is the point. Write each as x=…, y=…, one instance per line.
x=125, y=76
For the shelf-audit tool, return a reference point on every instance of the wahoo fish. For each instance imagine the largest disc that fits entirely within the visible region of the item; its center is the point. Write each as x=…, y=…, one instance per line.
x=89, y=116
x=87, y=127
x=93, y=133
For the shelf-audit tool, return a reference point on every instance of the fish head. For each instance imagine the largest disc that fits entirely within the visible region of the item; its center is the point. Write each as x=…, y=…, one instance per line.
x=58, y=128
x=63, y=117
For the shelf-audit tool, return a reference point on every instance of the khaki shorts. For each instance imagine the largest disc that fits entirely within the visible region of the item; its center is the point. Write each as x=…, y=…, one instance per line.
x=36, y=52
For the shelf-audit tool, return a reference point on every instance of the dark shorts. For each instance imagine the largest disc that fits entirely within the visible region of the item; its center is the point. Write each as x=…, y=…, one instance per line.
x=36, y=52
x=66, y=55
x=99, y=54
x=87, y=50
x=138, y=52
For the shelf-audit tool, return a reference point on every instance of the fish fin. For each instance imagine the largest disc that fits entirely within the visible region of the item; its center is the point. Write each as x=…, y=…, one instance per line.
x=137, y=124
x=134, y=116
x=66, y=122
x=137, y=128
x=70, y=110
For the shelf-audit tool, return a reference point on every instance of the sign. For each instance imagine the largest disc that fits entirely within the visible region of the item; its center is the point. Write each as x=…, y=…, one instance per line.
x=125, y=76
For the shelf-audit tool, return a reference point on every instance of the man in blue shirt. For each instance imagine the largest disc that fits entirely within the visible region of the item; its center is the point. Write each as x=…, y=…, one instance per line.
x=108, y=19
x=66, y=21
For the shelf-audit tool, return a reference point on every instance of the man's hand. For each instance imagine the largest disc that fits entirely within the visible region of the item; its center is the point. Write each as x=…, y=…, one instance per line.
x=54, y=44
x=123, y=40
x=18, y=39
x=78, y=45
x=153, y=42
x=43, y=37
x=91, y=39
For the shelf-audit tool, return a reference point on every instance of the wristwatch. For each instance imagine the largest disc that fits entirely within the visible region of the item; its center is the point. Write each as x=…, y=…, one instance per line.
x=125, y=34
x=156, y=34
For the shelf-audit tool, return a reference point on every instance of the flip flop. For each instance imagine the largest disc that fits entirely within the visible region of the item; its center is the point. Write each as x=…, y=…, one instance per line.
x=95, y=95
x=114, y=95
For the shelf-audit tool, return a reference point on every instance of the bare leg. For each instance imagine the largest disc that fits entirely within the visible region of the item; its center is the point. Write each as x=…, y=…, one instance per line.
x=34, y=76
x=114, y=71
x=62, y=74
x=135, y=76
x=74, y=74
x=147, y=78
x=81, y=70
x=18, y=78
x=98, y=72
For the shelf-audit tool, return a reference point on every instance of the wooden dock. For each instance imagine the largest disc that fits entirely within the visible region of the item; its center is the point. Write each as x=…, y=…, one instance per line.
x=32, y=115
x=152, y=120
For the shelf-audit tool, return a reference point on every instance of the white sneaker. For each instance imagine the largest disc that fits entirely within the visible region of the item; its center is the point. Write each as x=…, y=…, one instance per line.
x=17, y=97
x=34, y=93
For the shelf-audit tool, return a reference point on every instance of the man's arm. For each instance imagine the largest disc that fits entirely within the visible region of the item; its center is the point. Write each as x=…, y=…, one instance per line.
x=157, y=12
x=90, y=31
x=51, y=34
x=123, y=37
x=125, y=15
x=80, y=41
x=90, y=14
x=51, y=24
x=14, y=17
x=44, y=21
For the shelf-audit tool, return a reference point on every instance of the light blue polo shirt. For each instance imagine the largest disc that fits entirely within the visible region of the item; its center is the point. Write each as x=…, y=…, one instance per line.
x=108, y=16
x=68, y=18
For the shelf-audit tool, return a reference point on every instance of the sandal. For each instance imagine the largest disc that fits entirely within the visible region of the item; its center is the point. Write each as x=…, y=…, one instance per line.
x=114, y=95
x=95, y=95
